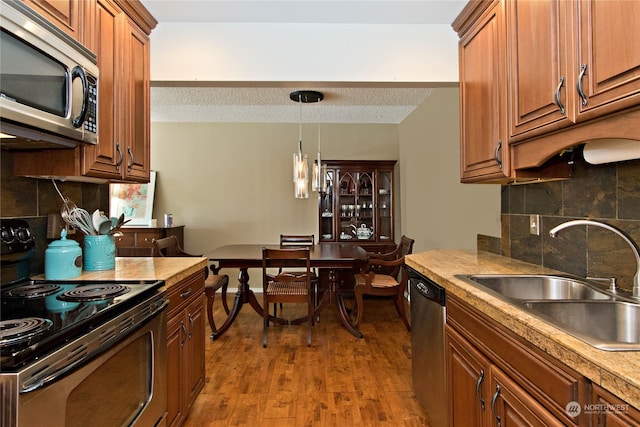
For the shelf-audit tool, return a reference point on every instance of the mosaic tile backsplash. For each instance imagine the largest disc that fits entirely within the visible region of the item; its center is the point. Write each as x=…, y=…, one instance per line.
x=606, y=193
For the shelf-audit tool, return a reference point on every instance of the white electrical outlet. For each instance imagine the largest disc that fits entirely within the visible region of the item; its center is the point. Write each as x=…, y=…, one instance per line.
x=534, y=225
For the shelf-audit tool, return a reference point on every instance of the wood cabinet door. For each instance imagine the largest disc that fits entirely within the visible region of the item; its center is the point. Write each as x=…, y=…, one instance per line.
x=64, y=14
x=467, y=381
x=195, y=369
x=609, y=53
x=484, y=147
x=104, y=159
x=539, y=76
x=136, y=103
x=176, y=411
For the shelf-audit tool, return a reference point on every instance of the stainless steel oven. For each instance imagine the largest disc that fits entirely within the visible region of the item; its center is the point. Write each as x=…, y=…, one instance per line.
x=77, y=353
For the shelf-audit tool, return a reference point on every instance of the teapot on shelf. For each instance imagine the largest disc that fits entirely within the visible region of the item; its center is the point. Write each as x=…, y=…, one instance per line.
x=363, y=232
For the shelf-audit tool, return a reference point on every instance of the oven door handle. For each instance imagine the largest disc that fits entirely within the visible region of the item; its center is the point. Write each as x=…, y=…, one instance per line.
x=55, y=371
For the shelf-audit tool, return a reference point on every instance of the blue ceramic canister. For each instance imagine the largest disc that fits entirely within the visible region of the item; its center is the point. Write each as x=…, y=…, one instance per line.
x=99, y=252
x=62, y=259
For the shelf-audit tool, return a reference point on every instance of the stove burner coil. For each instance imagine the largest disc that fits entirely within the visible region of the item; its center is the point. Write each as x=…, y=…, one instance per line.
x=89, y=293
x=33, y=291
x=16, y=331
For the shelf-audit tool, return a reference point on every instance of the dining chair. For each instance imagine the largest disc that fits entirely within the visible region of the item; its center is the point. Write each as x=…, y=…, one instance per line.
x=169, y=247
x=384, y=275
x=299, y=241
x=287, y=286
x=404, y=248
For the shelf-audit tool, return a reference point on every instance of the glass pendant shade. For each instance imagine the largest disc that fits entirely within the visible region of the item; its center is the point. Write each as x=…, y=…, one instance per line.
x=319, y=176
x=300, y=175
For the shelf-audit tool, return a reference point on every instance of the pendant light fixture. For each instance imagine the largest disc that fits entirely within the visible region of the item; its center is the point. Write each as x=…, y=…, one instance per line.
x=300, y=160
x=319, y=181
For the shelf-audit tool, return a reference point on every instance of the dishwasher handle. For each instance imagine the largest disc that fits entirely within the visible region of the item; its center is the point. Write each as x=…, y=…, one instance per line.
x=427, y=288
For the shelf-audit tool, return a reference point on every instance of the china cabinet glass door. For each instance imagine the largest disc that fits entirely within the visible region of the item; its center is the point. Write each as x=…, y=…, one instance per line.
x=327, y=230
x=385, y=206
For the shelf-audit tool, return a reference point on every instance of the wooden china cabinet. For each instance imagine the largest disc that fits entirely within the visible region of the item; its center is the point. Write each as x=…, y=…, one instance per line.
x=358, y=206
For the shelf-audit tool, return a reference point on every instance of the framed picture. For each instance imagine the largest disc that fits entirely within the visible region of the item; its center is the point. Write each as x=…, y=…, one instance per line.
x=135, y=201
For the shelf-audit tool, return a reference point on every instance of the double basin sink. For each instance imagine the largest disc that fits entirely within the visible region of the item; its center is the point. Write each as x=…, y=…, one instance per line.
x=603, y=319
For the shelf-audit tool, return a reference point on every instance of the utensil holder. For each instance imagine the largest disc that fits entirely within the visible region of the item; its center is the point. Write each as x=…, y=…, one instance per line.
x=99, y=252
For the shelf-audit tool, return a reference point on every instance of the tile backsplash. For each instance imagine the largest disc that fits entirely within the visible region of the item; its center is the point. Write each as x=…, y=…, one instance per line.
x=606, y=193
x=34, y=199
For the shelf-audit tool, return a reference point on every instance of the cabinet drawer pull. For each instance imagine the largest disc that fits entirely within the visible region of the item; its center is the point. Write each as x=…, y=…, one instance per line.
x=192, y=324
x=186, y=294
x=557, y=96
x=496, y=154
x=184, y=334
x=148, y=240
x=493, y=404
x=120, y=157
x=478, y=384
x=131, y=157
x=583, y=70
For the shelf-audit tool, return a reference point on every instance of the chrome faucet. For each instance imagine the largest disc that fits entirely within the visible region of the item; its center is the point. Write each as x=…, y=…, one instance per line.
x=634, y=246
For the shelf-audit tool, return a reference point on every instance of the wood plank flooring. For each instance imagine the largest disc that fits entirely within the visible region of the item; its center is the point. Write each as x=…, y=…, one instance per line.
x=338, y=381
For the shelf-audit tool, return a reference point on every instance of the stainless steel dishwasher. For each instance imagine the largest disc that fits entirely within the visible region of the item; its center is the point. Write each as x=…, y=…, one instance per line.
x=428, y=316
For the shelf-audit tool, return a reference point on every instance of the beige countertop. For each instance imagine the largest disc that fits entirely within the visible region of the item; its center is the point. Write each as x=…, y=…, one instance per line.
x=617, y=372
x=171, y=269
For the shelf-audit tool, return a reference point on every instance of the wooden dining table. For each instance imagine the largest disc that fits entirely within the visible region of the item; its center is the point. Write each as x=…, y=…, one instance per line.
x=328, y=256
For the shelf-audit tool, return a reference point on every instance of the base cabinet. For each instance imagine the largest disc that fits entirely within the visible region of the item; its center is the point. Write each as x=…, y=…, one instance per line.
x=495, y=378
x=185, y=346
x=609, y=411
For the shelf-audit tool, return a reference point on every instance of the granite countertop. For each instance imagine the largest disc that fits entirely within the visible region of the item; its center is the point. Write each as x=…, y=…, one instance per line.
x=170, y=269
x=617, y=372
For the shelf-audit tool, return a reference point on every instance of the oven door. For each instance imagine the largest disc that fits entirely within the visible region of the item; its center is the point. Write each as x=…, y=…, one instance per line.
x=125, y=385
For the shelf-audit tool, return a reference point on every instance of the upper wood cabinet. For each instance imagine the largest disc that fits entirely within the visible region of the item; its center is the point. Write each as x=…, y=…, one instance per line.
x=68, y=15
x=118, y=32
x=570, y=62
x=540, y=77
x=484, y=144
x=123, y=52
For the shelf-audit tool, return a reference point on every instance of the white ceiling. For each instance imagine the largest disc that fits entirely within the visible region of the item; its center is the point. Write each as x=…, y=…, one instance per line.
x=265, y=102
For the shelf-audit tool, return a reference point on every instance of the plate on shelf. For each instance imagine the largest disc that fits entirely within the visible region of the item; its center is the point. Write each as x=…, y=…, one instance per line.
x=327, y=236
x=327, y=214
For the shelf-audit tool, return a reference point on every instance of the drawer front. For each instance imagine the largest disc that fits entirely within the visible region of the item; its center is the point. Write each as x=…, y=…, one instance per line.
x=127, y=239
x=184, y=292
x=145, y=239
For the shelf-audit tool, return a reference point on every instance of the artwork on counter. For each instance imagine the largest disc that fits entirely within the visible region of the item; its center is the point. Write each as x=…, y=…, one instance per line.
x=134, y=200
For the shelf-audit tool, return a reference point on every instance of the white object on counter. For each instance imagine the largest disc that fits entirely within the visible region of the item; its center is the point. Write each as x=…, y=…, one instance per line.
x=601, y=151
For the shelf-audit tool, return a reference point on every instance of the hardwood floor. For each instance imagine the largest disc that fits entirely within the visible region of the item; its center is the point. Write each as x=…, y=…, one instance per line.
x=339, y=381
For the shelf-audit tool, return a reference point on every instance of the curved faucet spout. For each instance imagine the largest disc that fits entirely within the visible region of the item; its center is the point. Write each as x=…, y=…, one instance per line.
x=634, y=246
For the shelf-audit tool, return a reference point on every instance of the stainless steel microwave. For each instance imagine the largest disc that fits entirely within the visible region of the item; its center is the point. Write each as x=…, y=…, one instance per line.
x=48, y=82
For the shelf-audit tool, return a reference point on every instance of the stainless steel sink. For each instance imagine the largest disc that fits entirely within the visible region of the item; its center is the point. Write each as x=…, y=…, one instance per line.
x=607, y=325
x=607, y=321
x=539, y=287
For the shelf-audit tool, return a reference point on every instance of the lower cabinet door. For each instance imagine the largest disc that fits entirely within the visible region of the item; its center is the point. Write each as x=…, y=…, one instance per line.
x=175, y=361
x=512, y=406
x=194, y=369
x=467, y=381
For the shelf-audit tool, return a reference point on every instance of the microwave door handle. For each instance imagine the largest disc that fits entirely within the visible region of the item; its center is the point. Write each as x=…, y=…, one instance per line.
x=79, y=72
